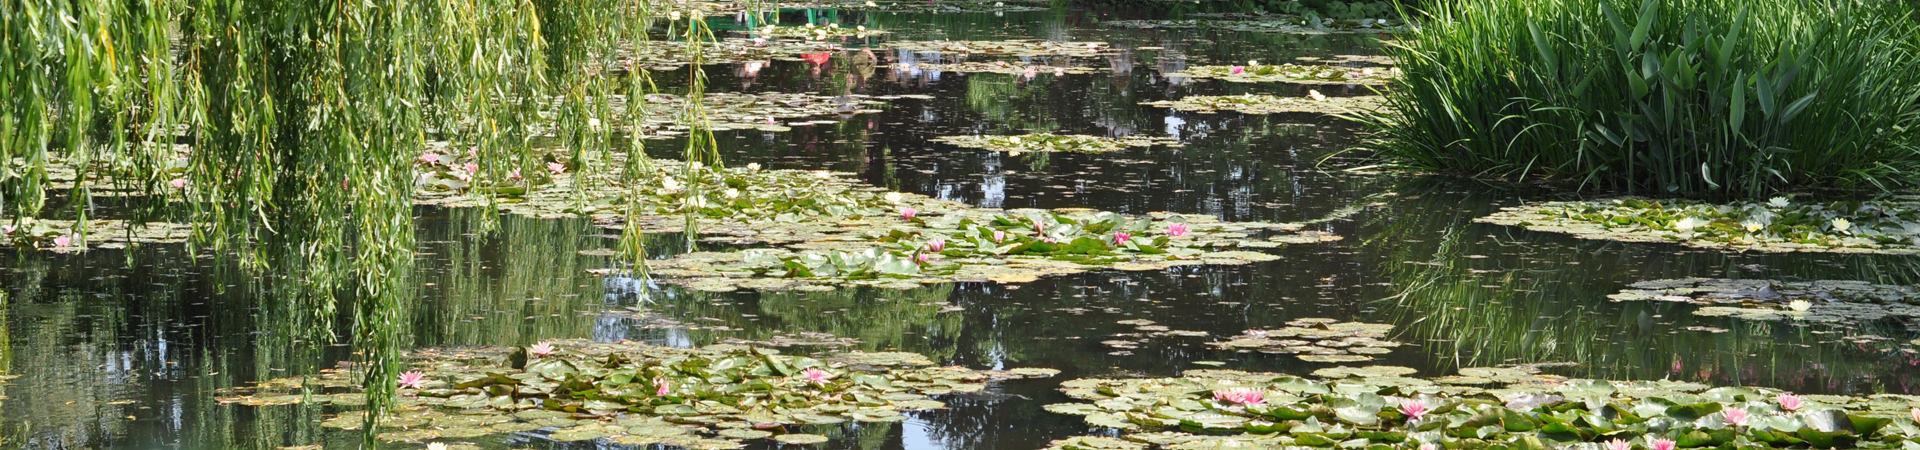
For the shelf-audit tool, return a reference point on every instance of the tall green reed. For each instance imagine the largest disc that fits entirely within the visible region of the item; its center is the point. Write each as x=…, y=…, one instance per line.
x=1680, y=97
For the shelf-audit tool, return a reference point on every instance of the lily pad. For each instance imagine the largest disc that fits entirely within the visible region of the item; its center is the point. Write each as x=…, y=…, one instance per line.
x=1290, y=73
x=1050, y=143
x=1778, y=225
x=1271, y=104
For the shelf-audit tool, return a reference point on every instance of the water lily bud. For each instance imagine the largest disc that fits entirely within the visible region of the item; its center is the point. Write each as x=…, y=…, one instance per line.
x=754, y=167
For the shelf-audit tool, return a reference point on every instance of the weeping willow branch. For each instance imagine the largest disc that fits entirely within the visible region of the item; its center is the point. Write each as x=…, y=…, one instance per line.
x=288, y=131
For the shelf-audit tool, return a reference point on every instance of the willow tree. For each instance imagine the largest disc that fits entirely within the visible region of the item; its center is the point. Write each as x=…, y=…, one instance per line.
x=288, y=130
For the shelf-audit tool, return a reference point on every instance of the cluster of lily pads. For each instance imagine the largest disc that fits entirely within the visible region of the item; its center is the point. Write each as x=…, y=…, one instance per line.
x=810, y=31
x=1014, y=47
x=60, y=235
x=762, y=111
x=1052, y=143
x=635, y=394
x=1820, y=301
x=665, y=55
x=1317, y=340
x=952, y=6
x=1001, y=67
x=1777, y=225
x=1289, y=25
x=825, y=230
x=1384, y=407
x=1314, y=102
x=1254, y=72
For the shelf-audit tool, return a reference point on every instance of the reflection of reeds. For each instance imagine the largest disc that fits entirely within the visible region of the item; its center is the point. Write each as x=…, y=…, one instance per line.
x=1523, y=304
x=910, y=320
x=524, y=282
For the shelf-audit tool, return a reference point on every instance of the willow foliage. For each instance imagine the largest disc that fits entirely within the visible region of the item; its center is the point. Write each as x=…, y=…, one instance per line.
x=296, y=124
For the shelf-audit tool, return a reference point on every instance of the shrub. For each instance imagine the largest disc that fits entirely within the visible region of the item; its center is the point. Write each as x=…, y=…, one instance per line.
x=1684, y=97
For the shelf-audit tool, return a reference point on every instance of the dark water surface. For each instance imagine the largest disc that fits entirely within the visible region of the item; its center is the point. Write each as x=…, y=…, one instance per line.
x=122, y=349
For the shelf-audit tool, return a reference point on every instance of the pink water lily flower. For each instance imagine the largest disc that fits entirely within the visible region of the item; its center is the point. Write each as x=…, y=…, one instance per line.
x=430, y=158
x=514, y=174
x=1413, y=409
x=1617, y=444
x=1429, y=446
x=908, y=213
x=660, y=385
x=998, y=235
x=1236, y=70
x=1121, y=238
x=1039, y=227
x=178, y=183
x=1663, y=444
x=541, y=349
x=1057, y=71
x=413, y=380
x=1241, y=396
x=816, y=376
x=937, y=245
x=922, y=258
x=1916, y=415
x=1177, y=230
x=1790, y=402
x=6, y=229
x=1736, y=417
x=471, y=168
x=63, y=241
x=557, y=168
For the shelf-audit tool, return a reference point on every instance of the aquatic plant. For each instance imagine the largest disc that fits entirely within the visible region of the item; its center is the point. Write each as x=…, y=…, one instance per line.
x=1254, y=72
x=1713, y=97
x=1316, y=340
x=1889, y=226
x=1359, y=406
x=1049, y=143
x=1270, y=104
x=1842, y=302
x=638, y=394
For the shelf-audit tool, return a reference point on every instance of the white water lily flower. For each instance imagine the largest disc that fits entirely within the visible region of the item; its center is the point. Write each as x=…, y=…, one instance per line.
x=697, y=202
x=733, y=193
x=809, y=24
x=670, y=184
x=833, y=26
x=696, y=165
x=1251, y=63
x=675, y=15
x=860, y=28
x=1800, y=305
x=1014, y=139
x=1841, y=225
x=1316, y=95
x=871, y=5
x=1687, y=224
x=822, y=174
x=1752, y=226
x=893, y=197
x=753, y=167
x=437, y=446
x=999, y=4
x=1778, y=202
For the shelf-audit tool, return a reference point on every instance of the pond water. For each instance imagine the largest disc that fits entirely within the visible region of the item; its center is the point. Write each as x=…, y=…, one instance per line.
x=123, y=349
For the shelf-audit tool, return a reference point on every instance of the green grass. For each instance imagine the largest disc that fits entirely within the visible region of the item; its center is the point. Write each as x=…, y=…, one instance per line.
x=1734, y=98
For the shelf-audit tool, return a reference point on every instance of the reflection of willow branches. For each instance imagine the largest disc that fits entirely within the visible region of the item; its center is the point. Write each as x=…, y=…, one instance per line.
x=523, y=283
x=1499, y=308
x=999, y=97
x=908, y=320
x=68, y=383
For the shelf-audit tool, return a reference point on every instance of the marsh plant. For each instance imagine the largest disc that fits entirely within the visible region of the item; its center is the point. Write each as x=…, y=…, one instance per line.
x=1699, y=97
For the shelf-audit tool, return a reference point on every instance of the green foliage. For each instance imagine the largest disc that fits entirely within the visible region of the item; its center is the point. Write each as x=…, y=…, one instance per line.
x=1716, y=97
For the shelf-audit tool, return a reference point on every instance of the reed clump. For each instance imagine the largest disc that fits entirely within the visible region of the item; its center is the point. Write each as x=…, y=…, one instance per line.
x=1724, y=98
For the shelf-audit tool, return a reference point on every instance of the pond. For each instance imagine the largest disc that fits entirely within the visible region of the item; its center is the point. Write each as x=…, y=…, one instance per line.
x=127, y=349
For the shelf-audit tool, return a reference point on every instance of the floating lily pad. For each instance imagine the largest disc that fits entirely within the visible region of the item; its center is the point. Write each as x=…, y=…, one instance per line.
x=1095, y=443
x=816, y=32
x=1049, y=143
x=1316, y=340
x=1290, y=73
x=911, y=6
x=1822, y=301
x=1006, y=48
x=827, y=230
x=666, y=55
x=1233, y=409
x=1271, y=104
x=1002, y=67
x=1270, y=24
x=663, y=395
x=801, y=439
x=1778, y=225
x=65, y=236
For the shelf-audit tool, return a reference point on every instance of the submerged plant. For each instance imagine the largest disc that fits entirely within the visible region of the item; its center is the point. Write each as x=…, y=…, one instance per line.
x=1721, y=97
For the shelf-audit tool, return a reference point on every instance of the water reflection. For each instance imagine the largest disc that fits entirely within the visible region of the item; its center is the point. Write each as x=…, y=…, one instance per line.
x=112, y=355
